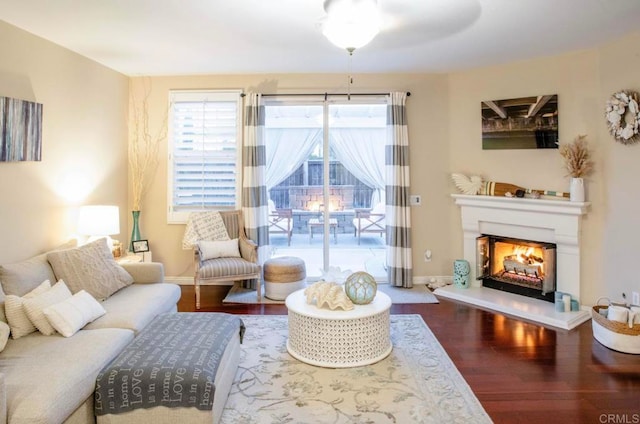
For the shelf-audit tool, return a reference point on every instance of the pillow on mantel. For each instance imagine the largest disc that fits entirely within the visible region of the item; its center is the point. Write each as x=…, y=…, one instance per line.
x=90, y=267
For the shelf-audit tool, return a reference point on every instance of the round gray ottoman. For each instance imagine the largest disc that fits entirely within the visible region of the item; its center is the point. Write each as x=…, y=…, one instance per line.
x=283, y=276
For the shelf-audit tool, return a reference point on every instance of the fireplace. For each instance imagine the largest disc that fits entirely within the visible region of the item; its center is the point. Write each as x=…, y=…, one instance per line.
x=548, y=222
x=524, y=267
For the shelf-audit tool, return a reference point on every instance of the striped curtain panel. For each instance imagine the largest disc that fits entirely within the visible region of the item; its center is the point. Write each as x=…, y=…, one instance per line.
x=254, y=190
x=399, y=263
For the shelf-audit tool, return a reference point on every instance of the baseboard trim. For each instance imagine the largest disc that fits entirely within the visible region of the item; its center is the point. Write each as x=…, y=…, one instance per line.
x=418, y=279
x=188, y=281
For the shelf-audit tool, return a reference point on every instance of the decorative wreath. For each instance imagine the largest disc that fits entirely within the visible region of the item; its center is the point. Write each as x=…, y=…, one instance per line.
x=623, y=116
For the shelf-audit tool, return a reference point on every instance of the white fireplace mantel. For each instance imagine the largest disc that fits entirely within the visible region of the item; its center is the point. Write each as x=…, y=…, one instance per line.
x=549, y=221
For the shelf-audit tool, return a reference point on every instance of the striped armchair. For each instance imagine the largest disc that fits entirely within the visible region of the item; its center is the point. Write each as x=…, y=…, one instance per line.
x=234, y=269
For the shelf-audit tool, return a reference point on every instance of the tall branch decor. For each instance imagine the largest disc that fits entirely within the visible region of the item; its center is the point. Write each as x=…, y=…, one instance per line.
x=144, y=146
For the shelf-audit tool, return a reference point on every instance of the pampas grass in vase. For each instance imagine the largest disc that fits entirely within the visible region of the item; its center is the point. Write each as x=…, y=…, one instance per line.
x=578, y=163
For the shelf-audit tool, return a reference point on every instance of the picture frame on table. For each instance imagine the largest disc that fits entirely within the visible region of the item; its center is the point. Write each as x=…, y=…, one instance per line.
x=140, y=246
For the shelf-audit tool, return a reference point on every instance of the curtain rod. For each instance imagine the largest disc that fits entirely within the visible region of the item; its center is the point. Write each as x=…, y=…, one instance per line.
x=325, y=94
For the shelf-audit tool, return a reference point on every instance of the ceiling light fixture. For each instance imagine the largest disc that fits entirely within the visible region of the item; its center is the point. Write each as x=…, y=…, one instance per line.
x=351, y=24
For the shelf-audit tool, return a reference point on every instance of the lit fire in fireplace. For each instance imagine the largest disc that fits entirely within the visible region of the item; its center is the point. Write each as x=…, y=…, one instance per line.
x=524, y=261
x=524, y=267
x=518, y=264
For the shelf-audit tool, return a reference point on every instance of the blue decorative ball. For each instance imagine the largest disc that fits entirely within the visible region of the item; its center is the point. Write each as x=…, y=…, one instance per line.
x=361, y=288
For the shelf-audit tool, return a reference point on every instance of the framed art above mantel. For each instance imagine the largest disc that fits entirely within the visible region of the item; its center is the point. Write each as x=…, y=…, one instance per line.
x=520, y=123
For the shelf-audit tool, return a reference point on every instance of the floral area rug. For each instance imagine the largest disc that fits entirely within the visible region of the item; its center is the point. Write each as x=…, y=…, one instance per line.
x=416, y=383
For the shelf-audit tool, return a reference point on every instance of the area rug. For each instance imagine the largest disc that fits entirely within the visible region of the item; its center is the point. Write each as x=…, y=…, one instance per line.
x=416, y=383
x=416, y=294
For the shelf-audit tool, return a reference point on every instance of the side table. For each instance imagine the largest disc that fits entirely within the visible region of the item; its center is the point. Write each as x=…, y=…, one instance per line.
x=127, y=259
x=315, y=222
x=337, y=338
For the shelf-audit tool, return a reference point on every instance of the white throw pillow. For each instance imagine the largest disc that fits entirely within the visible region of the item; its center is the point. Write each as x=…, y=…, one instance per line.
x=90, y=267
x=35, y=306
x=218, y=249
x=70, y=315
x=4, y=334
x=16, y=316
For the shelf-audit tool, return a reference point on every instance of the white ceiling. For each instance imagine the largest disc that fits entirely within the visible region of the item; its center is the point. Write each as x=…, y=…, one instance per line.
x=175, y=37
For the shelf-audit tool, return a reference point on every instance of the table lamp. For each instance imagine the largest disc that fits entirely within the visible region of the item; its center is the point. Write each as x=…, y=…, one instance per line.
x=98, y=221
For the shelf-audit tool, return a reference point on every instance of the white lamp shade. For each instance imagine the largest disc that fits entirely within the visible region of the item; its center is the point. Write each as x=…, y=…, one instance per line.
x=99, y=220
x=351, y=24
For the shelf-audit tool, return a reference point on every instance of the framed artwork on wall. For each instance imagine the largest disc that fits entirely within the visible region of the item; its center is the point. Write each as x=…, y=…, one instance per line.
x=20, y=130
x=521, y=123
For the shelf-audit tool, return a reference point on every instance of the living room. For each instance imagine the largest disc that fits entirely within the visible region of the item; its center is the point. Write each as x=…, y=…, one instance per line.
x=86, y=127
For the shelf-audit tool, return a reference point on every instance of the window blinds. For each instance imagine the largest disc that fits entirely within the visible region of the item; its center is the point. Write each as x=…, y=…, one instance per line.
x=204, y=150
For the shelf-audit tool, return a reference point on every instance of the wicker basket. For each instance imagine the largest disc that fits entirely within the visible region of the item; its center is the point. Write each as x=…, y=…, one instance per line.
x=615, y=335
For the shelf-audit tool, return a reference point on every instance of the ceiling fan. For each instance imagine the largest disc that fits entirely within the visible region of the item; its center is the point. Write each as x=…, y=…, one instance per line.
x=351, y=24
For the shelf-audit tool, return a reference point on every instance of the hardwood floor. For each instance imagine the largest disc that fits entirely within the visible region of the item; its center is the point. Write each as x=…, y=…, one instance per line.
x=520, y=372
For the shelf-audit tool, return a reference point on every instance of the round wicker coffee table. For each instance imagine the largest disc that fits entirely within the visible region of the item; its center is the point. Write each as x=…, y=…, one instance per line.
x=339, y=339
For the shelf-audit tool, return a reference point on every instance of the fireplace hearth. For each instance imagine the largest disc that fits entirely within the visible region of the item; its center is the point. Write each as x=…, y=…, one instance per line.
x=523, y=267
x=548, y=222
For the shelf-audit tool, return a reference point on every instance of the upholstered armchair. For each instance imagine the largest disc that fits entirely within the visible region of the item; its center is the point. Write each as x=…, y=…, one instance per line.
x=370, y=221
x=234, y=266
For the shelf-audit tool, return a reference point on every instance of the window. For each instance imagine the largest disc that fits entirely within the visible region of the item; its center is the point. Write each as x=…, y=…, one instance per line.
x=204, y=152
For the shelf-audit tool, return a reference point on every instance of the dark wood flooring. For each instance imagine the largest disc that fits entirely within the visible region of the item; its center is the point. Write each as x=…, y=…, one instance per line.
x=520, y=372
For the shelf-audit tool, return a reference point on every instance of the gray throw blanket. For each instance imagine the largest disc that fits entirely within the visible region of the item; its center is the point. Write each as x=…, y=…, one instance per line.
x=172, y=362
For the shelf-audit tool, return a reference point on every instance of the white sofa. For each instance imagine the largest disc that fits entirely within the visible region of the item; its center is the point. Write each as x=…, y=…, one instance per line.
x=51, y=379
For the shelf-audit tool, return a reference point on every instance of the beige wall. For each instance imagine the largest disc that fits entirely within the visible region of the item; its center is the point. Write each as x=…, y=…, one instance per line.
x=583, y=81
x=617, y=238
x=427, y=109
x=83, y=143
x=85, y=107
x=445, y=137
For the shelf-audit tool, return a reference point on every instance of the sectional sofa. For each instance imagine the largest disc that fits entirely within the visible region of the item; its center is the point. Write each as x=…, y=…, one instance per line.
x=51, y=378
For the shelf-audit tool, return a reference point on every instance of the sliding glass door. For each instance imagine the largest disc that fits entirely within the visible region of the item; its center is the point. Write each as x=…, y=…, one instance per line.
x=325, y=176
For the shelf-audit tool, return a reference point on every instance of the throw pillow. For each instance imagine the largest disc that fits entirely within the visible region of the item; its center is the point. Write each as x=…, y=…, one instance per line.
x=16, y=316
x=4, y=334
x=3, y=317
x=218, y=249
x=90, y=267
x=35, y=306
x=204, y=226
x=21, y=277
x=70, y=315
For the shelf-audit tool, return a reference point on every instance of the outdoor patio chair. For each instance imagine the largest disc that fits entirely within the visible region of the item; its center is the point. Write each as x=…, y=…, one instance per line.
x=280, y=221
x=370, y=221
x=234, y=266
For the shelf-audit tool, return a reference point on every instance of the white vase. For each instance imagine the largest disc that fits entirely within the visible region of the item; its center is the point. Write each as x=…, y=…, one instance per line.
x=576, y=190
